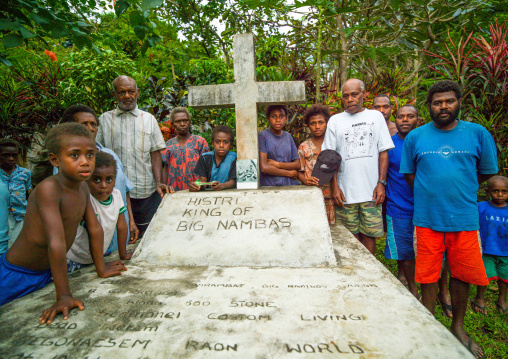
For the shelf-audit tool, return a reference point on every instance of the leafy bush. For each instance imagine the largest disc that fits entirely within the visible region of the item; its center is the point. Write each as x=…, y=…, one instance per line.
x=90, y=76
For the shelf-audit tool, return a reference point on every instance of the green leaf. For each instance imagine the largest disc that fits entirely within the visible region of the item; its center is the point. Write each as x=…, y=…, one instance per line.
x=120, y=7
x=5, y=61
x=135, y=18
x=153, y=39
x=140, y=32
x=150, y=4
x=12, y=40
x=5, y=24
x=457, y=13
x=26, y=33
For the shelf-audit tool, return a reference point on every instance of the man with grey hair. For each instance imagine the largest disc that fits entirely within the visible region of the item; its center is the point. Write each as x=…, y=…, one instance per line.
x=362, y=139
x=136, y=138
x=182, y=152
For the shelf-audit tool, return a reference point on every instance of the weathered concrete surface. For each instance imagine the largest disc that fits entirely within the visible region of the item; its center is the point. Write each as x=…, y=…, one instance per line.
x=245, y=94
x=356, y=310
x=268, y=227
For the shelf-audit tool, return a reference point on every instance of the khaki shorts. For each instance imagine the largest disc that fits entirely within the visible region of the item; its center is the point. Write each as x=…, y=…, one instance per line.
x=362, y=218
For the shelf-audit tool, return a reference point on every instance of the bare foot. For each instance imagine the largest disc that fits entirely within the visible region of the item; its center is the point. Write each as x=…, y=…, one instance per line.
x=469, y=343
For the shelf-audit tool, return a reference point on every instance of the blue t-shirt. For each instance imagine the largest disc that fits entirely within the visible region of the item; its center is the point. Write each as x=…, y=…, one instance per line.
x=4, y=214
x=445, y=164
x=399, y=196
x=281, y=149
x=18, y=183
x=493, y=229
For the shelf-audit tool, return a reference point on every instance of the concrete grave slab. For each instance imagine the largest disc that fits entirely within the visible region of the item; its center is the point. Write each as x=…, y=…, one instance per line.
x=268, y=227
x=355, y=310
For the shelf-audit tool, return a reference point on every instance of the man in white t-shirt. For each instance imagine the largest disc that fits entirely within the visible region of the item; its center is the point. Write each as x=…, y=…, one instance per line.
x=362, y=139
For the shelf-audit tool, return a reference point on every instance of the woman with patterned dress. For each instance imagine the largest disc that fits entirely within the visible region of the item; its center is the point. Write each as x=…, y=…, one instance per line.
x=182, y=152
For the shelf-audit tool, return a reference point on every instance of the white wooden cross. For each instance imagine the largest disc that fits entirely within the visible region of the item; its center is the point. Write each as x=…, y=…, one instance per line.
x=245, y=94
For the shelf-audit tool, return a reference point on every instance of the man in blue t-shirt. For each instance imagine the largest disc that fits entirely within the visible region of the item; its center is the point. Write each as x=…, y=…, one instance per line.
x=399, y=201
x=445, y=161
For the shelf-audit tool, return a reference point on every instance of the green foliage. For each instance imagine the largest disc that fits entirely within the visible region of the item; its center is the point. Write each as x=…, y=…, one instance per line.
x=480, y=66
x=91, y=75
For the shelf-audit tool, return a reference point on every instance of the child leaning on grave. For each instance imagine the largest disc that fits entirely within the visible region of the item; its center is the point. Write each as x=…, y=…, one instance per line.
x=316, y=119
x=18, y=182
x=494, y=238
x=279, y=162
x=54, y=211
x=218, y=166
x=108, y=206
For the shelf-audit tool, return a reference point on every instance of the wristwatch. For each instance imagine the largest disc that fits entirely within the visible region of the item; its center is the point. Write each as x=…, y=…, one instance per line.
x=384, y=183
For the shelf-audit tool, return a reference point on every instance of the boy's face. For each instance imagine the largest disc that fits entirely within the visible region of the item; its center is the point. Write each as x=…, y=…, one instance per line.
x=221, y=144
x=277, y=120
x=498, y=192
x=102, y=183
x=8, y=157
x=76, y=158
x=317, y=125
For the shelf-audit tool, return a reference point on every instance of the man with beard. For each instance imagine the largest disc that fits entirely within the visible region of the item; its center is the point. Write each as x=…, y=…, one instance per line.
x=362, y=139
x=182, y=152
x=445, y=161
x=136, y=138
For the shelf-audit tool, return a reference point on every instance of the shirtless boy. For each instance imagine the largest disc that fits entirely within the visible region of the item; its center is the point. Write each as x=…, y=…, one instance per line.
x=54, y=211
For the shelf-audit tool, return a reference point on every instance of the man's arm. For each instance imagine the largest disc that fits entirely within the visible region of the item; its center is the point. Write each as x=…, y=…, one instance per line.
x=337, y=194
x=48, y=204
x=379, y=190
x=96, y=240
x=410, y=179
x=156, y=160
x=267, y=168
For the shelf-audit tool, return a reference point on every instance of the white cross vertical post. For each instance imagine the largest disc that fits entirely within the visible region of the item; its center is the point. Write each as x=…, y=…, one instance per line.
x=245, y=94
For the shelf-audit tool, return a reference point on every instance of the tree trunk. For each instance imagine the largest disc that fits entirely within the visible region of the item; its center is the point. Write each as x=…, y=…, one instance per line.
x=343, y=53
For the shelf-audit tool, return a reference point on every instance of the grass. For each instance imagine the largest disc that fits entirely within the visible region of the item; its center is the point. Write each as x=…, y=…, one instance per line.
x=490, y=331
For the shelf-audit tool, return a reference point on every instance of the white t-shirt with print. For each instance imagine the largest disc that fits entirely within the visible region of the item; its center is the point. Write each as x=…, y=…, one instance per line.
x=107, y=213
x=358, y=138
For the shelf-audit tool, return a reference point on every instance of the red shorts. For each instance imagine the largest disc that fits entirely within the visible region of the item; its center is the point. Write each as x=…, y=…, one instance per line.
x=462, y=253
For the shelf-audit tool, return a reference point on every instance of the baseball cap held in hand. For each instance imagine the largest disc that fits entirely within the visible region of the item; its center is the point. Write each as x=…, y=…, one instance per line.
x=327, y=164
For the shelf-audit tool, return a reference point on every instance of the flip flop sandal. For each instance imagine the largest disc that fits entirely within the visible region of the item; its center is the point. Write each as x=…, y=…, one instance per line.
x=501, y=310
x=469, y=346
x=445, y=308
x=475, y=307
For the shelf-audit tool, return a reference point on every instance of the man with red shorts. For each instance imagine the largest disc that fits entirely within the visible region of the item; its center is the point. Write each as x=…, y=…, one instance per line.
x=445, y=161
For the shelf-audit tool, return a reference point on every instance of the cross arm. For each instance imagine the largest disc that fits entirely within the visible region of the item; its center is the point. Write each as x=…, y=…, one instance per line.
x=212, y=96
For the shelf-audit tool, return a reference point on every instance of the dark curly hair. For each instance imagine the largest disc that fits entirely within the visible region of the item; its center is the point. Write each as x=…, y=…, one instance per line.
x=272, y=108
x=225, y=129
x=68, y=115
x=65, y=130
x=104, y=159
x=444, y=86
x=315, y=110
x=9, y=142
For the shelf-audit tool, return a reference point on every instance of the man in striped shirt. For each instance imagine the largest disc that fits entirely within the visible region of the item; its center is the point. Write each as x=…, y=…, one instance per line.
x=135, y=137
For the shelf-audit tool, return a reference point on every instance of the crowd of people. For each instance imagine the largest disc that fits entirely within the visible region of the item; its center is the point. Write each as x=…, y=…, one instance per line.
x=417, y=185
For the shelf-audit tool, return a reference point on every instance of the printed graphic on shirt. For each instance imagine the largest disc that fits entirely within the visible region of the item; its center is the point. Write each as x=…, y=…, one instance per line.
x=497, y=225
x=359, y=141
